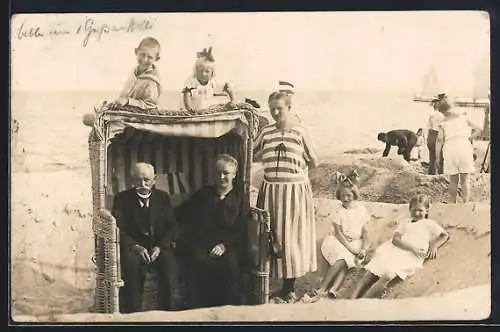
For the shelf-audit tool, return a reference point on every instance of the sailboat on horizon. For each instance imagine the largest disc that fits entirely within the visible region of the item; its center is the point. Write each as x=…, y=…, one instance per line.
x=430, y=86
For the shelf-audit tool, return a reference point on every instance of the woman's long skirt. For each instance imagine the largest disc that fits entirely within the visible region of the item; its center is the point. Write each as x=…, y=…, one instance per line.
x=291, y=208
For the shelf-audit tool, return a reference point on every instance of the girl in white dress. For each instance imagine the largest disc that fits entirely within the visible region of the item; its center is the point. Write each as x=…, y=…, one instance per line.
x=200, y=89
x=346, y=245
x=413, y=241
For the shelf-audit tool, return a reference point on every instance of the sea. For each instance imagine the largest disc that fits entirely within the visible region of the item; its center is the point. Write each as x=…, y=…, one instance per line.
x=52, y=137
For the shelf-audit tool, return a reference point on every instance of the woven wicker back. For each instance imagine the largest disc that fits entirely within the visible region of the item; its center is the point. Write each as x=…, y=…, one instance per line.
x=258, y=232
x=182, y=164
x=107, y=260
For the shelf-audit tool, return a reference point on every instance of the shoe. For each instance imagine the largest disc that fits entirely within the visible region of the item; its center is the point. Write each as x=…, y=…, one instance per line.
x=315, y=297
x=291, y=297
x=333, y=295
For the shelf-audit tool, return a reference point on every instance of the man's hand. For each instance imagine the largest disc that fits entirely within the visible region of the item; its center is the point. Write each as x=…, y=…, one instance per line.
x=361, y=254
x=142, y=253
x=155, y=252
x=218, y=250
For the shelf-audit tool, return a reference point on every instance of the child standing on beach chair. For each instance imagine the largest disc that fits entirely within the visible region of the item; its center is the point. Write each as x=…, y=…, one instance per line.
x=413, y=241
x=201, y=88
x=346, y=245
x=142, y=89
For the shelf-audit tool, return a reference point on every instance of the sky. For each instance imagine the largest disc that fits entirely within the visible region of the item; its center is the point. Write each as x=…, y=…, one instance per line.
x=388, y=51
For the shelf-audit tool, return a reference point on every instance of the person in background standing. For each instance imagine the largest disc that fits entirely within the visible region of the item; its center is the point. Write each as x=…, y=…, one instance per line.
x=454, y=143
x=432, y=133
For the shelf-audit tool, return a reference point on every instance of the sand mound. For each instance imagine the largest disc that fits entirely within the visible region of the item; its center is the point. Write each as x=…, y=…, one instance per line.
x=363, y=151
x=38, y=293
x=390, y=180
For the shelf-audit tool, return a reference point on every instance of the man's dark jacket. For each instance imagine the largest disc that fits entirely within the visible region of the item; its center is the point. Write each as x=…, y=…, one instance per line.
x=157, y=227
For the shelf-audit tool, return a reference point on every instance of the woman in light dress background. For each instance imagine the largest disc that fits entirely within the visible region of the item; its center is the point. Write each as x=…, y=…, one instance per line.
x=454, y=142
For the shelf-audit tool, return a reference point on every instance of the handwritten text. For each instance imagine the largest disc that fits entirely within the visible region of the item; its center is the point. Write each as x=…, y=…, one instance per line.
x=89, y=29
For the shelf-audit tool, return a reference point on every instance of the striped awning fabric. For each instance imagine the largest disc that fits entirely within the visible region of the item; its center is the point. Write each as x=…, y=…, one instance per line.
x=207, y=126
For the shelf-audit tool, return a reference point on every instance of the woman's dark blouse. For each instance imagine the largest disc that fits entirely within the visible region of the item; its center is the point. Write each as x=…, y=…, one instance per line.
x=208, y=220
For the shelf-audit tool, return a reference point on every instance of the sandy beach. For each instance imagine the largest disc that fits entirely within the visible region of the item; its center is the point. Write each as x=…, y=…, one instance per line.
x=52, y=246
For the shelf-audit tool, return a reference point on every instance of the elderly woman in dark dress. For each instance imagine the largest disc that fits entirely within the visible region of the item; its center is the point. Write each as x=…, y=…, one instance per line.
x=215, y=220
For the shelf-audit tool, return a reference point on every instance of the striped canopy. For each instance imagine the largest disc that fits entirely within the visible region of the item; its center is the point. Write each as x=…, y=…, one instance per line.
x=201, y=126
x=180, y=148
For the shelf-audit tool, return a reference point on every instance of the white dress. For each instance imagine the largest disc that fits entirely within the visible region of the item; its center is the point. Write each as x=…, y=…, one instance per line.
x=202, y=96
x=392, y=261
x=457, y=149
x=417, y=151
x=351, y=222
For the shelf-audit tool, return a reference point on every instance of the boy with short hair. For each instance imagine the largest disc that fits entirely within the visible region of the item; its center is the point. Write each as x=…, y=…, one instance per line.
x=143, y=87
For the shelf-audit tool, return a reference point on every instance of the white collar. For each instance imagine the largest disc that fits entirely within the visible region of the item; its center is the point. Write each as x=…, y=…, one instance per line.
x=142, y=195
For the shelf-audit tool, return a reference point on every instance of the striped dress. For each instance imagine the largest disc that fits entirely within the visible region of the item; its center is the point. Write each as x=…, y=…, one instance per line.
x=286, y=194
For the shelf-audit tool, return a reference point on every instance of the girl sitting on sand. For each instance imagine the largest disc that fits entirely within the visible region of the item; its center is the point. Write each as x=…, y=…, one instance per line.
x=199, y=89
x=413, y=241
x=345, y=247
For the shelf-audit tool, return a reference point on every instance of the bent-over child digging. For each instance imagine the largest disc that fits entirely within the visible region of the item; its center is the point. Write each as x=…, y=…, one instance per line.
x=413, y=241
x=346, y=245
x=143, y=87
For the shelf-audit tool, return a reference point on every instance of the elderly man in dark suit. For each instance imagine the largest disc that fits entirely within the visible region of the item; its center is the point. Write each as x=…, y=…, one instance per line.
x=148, y=231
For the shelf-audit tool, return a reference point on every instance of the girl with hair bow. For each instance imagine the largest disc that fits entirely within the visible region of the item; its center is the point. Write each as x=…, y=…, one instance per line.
x=200, y=89
x=346, y=245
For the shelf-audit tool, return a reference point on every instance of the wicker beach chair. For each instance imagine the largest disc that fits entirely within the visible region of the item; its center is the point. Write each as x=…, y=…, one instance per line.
x=182, y=148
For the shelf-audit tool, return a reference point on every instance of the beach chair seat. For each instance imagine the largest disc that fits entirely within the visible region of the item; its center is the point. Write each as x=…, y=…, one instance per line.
x=181, y=148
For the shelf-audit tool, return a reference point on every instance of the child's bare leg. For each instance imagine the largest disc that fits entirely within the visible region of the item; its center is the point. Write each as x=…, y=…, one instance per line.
x=453, y=187
x=464, y=183
x=377, y=289
x=364, y=284
x=333, y=271
x=339, y=278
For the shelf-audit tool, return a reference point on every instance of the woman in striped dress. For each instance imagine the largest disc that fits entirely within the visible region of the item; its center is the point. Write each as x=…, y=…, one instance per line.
x=287, y=154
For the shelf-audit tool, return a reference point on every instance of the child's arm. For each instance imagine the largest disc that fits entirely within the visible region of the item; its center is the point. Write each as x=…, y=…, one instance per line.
x=474, y=125
x=364, y=239
x=148, y=96
x=186, y=98
x=400, y=243
x=435, y=244
x=340, y=236
x=439, y=238
x=144, y=95
x=229, y=89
